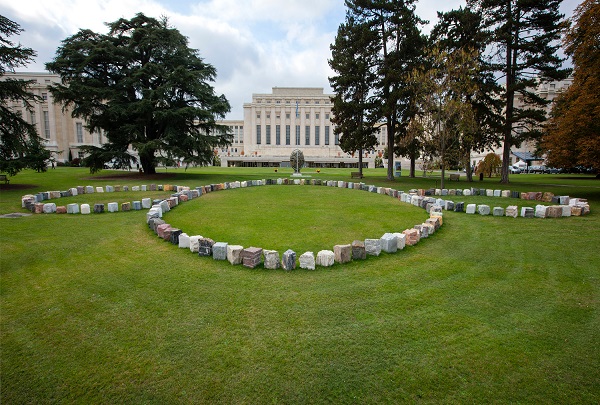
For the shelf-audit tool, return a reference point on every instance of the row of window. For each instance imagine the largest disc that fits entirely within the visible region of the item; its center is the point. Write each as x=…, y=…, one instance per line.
x=287, y=102
x=297, y=139
x=288, y=115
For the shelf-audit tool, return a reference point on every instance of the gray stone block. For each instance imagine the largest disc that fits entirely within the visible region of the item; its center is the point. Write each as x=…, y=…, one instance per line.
x=288, y=261
x=471, y=208
x=389, y=243
x=49, y=208
x=219, y=251
x=205, y=246
x=358, y=250
x=271, y=259
x=73, y=209
x=373, y=247
x=98, y=208
x=483, y=209
x=498, y=211
x=113, y=207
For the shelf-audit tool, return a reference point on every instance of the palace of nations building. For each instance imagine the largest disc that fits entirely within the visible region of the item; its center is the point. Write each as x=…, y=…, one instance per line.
x=274, y=125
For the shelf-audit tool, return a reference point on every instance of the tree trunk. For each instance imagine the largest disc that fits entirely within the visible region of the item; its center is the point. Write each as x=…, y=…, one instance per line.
x=510, y=93
x=360, y=163
x=390, y=152
x=147, y=161
x=413, y=164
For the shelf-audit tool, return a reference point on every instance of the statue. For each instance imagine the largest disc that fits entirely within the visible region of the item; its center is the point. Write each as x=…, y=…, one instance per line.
x=297, y=161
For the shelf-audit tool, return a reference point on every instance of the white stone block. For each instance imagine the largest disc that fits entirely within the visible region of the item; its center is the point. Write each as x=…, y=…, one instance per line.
x=471, y=208
x=540, y=211
x=85, y=209
x=505, y=193
x=184, y=241
x=113, y=207
x=99, y=190
x=74, y=208
x=146, y=203
x=401, y=239
x=307, y=261
x=389, y=243
x=73, y=191
x=566, y=210
x=373, y=247
x=195, y=243
x=234, y=254
x=467, y=192
x=49, y=208
x=325, y=258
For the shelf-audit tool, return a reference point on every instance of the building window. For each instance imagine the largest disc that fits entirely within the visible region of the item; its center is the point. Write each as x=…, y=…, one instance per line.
x=336, y=138
x=317, y=134
x=258, y=134
x=79, y=132
x=317, y=116
x=297, y=134
x=307, y=116
x=287, y=116
x=277, y=134
x=287, y=135
x=268, y=116
x=45, y=96
x=326, y=135
x=268, y=135
x=32, y=117
x=326, y=116
x=257, y=116
x=46, y=124
x=278, y=102
x=307, y=135
x=317, y=102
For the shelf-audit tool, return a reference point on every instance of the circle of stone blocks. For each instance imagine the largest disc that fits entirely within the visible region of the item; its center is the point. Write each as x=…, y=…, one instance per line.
x=307, y=261
x=483, y=209
x=205, y=246
x=373, y=247
x=325, y=258
x=358, y=250
x=251, y=257
x=85, y=209
x=271, y=259
x=342, y=253
x=219, y=251
x=184, y=241
x=498, y=211
x=113, y=207
x=234, y=254
x=288, y=260
x=389, y=243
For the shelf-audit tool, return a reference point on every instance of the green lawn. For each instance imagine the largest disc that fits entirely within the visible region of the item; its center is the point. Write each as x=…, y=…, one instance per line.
x=97, y=309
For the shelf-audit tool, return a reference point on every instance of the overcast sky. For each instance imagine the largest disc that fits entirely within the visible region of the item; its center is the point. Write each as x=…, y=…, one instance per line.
x=254, y=44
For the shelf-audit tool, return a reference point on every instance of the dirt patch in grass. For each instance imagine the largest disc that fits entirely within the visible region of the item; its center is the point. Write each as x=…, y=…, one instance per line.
x=7, y=187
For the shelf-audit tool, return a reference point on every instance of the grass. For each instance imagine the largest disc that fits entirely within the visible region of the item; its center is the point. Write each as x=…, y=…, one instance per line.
x=95, y=309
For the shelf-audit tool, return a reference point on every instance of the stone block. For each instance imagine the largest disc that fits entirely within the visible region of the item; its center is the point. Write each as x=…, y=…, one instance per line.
x=471, y=208
x=110, y=189
x=307, y=261
x=489, y=193
x=498, y=212
x=195, y=243
x=73, y=191
x=234, y=254
x=219, y=250
x=512, y=211
x=73, y=209
x=80, y=190
x=566, y=210
x=342, y=253
x=113, y=207
x=325, y=258
x=449, y=206
x=98, y=208
x=527, y=212
x=146, y=203
x=412, y=236
x=358, y=250
x=152, y=187
x=49, y=208
x=205, y=246
x=126, y=206
x=459, y=207
x=85, y=209
x=467, y=192
x=251, y=257
x=554, y=211
x=400, y=240
x=564, y=200
x=506, y=193
x=483, y=209
x=373, y=247
x=547, y=197
x=435, y=221
x=288, y=260
x=153, y=224
x=164, y=231
x=175, y=234
x=61, y=209
x=271, y=259
x=99, y=190
x=576, y=210
x=389, y=243
x=540, y=211
x=184, y=241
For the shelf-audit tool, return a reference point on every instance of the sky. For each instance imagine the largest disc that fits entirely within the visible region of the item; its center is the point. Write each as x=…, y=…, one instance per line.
x=254, y=44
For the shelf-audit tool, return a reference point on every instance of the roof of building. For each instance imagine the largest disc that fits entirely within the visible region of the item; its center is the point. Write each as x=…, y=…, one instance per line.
x=526, y=156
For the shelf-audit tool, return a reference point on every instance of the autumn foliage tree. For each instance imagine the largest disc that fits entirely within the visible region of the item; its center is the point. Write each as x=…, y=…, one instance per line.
x=573, y=132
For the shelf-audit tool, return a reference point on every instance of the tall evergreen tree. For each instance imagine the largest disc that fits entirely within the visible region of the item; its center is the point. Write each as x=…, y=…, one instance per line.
x=20, y=145
x=399, y=44
x=461, y=30
x=143, y=86
x=353, y=59
x=573, y=133
x=524, y=36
